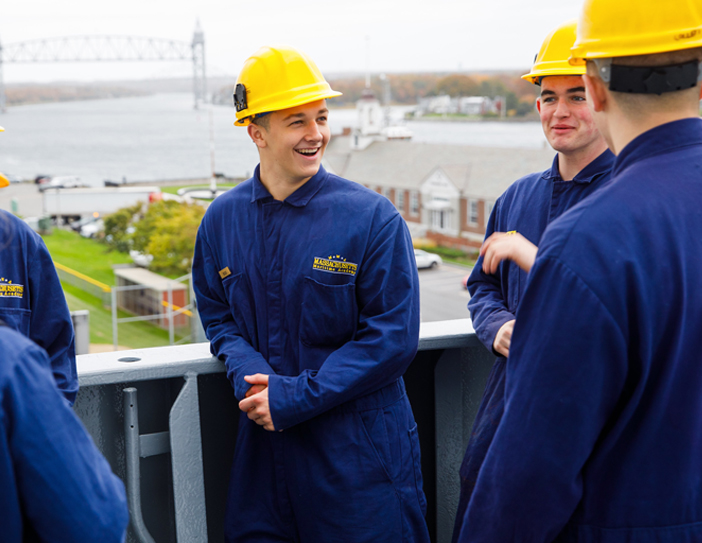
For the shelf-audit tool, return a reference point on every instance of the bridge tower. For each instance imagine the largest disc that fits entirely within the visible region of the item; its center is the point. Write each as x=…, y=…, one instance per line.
x=199, y=77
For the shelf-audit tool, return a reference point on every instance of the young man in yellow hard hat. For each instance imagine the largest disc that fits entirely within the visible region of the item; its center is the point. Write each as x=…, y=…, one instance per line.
x=581, y=166
x=308, y=291
x=601, y=437
x=32, y=300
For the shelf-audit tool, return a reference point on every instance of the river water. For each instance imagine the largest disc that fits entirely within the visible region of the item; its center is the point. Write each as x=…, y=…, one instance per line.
x=162, y=137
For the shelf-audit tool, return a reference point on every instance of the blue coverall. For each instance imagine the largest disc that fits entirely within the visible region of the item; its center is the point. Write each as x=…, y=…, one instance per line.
x=601, y=438
x=528, y=206
x=321, y=293
x=54, y=484
x=32, y=300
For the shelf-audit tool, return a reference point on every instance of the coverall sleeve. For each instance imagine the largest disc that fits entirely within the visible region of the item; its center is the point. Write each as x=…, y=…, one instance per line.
x=226, y=340
x=51, y=327
x=487, y=306
x=565, y=374
x=66, y=489
x=385, y=342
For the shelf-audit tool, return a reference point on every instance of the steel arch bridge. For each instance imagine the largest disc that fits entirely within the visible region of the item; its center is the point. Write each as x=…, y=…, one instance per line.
x=110, y=49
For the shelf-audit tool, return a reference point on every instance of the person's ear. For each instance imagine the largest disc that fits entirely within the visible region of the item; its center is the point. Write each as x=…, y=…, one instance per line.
x=257, y=135
x=538, y=105
x=596, y=92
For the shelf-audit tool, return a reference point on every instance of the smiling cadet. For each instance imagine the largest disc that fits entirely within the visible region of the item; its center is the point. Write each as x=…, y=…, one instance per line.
x=581, y=166
x=308, y=291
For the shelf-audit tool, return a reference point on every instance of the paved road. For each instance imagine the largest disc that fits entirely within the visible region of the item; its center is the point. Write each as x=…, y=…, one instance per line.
x=442, y=296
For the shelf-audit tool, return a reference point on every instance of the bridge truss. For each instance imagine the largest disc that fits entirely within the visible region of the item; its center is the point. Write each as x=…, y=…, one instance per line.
x=110, y=49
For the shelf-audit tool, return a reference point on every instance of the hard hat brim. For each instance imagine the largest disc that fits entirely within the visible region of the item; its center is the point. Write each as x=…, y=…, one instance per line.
x=286, y=103
x=4, y=181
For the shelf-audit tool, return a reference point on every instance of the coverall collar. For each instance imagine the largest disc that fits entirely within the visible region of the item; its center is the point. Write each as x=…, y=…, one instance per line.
x=600, y=165
x=299, y=198
x=659, y=140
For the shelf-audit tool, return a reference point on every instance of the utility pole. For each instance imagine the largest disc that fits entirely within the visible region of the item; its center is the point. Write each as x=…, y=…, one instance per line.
x=199, y=76
x=2, y=85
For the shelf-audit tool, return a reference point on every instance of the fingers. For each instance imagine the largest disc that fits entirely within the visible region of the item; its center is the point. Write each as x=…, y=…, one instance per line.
x=503, y=338
x=508, y=246
x=255, y=389
x=256, y=379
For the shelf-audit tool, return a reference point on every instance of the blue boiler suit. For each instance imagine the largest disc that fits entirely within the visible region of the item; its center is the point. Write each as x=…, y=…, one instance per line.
x=321, y=293
x=32, y=300
x=528, y=206
x=55, y=486
x=601, y=438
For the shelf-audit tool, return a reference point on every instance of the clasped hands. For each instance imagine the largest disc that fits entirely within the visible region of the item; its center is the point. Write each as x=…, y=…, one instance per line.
x=506, y=246
x=255, y=404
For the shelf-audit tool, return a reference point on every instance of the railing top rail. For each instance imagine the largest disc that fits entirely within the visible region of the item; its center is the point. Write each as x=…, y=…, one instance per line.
x=177, y=360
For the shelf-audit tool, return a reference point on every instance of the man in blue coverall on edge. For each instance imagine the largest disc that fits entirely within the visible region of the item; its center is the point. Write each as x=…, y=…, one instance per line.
x=32, y=300
x=601, y=436
x=307, y=288
x=582, y=165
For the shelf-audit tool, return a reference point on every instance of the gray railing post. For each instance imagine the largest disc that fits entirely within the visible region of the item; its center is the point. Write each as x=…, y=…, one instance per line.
x=114, y=317
x=131, y=444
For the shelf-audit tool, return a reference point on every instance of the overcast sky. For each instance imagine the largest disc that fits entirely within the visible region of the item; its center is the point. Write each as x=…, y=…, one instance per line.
x=404, y=35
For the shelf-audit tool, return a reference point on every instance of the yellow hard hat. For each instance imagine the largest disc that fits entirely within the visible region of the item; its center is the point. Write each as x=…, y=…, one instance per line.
x=552, y=58
x=4, y=181
x=621, y=28
x=276, y=78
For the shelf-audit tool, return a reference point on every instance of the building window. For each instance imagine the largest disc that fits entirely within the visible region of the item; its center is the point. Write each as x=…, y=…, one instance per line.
x=387, y=193
x=401, y=200
x=441, y=219
x=414, y=202
x=473, y=212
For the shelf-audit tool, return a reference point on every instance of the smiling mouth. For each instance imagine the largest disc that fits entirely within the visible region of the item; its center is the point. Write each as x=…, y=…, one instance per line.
x=307, y=152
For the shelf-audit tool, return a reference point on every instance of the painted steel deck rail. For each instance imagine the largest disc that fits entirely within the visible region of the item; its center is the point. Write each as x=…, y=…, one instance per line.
x=177, y=469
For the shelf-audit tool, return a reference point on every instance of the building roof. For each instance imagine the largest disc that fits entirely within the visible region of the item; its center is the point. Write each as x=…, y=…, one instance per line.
x=141, y=276
x=477, y=172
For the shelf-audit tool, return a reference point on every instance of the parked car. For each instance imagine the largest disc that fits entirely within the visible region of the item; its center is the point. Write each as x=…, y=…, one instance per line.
x=62, y=182
x=14, y=178
x=92, y=229
x=426, y=260
x=85, y=221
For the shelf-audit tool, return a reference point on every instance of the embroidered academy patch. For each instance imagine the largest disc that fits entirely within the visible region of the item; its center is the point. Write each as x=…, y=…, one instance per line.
x=334, y=264
x=8, y=289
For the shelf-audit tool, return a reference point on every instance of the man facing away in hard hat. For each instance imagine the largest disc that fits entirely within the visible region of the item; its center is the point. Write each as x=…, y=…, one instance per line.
x=32, y=300
x=601, y=437
x=582, y=165
x=308, y=291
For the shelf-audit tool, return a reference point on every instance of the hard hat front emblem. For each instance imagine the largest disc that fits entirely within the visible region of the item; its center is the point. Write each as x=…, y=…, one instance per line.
x=240, y=97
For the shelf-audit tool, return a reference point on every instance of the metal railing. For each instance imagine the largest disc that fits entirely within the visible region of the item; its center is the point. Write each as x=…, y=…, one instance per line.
x=172, y=311
x=177, y=468
x=84, y=283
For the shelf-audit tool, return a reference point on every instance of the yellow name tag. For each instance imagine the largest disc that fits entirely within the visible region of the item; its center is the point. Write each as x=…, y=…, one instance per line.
x=224, y=273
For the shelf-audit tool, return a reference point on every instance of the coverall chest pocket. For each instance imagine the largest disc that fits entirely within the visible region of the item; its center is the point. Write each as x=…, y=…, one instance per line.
x=329, y=313
x=16, y=318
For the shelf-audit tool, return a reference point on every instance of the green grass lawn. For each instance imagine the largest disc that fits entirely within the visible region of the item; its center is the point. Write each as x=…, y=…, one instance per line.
x=174, y=190
x=95, y=260
x=86, y=256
